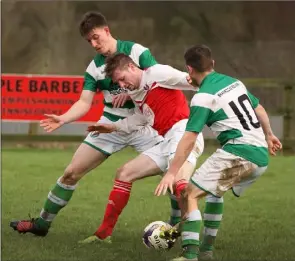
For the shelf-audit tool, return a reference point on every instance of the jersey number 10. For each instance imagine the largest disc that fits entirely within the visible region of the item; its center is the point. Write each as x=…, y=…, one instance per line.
x=237, y=112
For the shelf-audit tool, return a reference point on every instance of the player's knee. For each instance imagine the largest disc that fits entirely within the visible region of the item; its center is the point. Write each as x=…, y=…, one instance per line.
x=125, y=174
x=71, y=176
x=191, y=193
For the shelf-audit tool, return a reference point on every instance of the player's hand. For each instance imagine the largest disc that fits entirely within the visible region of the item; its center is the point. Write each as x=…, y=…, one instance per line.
x=274, y=144
x=166, y=182
x=120, y=99
x=51, y=123
x=101, y=128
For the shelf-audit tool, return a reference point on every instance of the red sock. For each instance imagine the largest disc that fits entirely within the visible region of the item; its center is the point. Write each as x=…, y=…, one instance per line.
x=118, y=199
x=179, y=188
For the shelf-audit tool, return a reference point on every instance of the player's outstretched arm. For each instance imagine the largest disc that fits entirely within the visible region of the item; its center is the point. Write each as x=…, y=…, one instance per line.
x=78, y=109
x=102, y=128
x=128, y=124
x=273, y=142
x=171, y=78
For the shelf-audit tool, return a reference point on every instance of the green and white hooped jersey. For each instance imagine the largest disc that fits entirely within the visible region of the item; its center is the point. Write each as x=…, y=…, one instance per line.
x=95, y=80
x=224, y=104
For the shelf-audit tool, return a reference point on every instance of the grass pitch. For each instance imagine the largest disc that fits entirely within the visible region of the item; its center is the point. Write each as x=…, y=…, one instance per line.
x=257, y=226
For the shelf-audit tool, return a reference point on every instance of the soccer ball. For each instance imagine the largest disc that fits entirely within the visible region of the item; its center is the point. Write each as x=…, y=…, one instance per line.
x=151, y=235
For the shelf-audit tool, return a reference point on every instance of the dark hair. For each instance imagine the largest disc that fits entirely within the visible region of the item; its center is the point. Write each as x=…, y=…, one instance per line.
x=90, y=21
x=199, y=57
x=116, y=61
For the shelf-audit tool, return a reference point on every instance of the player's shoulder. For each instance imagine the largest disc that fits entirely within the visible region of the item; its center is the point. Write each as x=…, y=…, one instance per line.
x=96, y=67
x=215, y=82
x=160, y=71
x=164, y=74
x=131, y=44
x=126, y=44
x=97, y=61
x=129, y=47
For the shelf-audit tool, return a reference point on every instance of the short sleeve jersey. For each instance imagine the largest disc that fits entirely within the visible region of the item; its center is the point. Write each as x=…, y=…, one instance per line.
x=227, y=108
x=95, y=80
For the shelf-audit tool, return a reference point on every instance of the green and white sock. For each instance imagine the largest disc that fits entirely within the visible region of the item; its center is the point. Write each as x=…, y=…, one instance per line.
x=190, y=234
x=212, y=219
x=175, y=216
x=57, y=198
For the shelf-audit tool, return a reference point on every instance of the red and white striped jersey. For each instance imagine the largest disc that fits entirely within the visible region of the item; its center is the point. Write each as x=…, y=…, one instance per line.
x=160, y=99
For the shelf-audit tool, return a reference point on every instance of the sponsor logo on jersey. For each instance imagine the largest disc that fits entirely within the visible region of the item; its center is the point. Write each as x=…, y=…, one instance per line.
x=228, y=89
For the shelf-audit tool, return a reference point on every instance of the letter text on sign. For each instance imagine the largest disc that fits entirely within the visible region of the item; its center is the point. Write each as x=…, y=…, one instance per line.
x=28, y=97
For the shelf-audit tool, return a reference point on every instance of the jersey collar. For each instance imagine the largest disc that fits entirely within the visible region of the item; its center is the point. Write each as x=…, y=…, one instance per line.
x=207, y=78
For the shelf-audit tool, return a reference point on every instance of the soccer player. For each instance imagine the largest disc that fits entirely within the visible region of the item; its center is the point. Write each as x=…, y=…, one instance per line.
x=94, y=149
x=163, y=107
x=243, y=130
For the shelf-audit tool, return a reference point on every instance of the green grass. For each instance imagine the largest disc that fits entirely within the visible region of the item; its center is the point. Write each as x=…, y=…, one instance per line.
x=257, y=226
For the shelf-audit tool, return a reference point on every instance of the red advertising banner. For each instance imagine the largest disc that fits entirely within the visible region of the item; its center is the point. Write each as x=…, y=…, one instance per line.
x=29, y=97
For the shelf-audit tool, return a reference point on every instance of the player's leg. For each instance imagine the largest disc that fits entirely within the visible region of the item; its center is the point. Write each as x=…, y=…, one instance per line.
x=120, y=194
x=222, y=171
x=212, y=219
x=91, y=153
x=240, y=187
x=213, y=212
x=175, y=211
x=85, y=159
x=181, y=182
x=213, y=215
x=186, y=170
x=191, y=224
x=142, y=166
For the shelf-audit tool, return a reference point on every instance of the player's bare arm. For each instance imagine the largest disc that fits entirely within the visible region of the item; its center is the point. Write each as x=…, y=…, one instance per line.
x=183, y=150
x=79, y=109
x=273, y=142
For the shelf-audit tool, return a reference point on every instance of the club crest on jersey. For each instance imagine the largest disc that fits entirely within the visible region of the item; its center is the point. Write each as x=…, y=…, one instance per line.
x=146, y=87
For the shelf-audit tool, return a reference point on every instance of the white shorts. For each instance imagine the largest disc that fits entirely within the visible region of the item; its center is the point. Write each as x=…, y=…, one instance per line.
x=109, y=143
x=223, y=171
x=164, y=152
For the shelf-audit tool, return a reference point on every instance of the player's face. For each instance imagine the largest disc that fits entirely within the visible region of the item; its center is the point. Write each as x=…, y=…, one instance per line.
x=126, y=78
x=99, y=39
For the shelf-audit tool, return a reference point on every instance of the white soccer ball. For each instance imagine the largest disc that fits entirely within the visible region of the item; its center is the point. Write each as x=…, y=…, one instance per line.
x=151, y=235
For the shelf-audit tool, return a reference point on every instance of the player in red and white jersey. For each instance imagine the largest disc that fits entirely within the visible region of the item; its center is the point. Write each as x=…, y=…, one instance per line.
x=161, y=104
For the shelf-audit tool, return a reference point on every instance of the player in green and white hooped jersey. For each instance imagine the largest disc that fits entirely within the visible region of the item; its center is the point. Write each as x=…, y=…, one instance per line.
x=95, y=149
x=243, y=131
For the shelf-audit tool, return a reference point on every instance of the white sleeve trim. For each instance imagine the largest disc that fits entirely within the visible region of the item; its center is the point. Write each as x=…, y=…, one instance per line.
x=204, y=100
x=96, y=72
x=171, y=78
x=136, y=51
